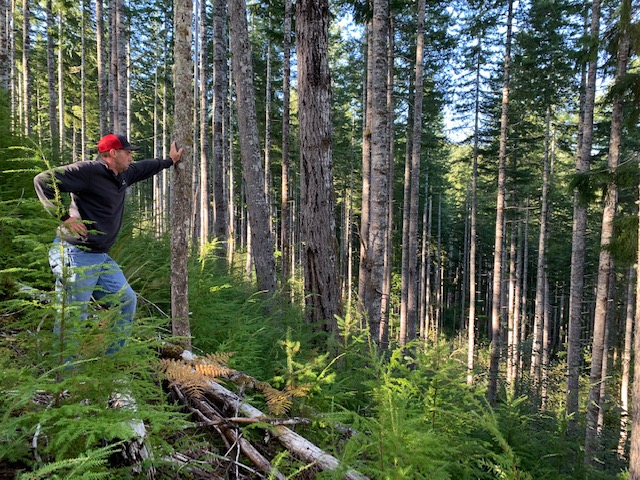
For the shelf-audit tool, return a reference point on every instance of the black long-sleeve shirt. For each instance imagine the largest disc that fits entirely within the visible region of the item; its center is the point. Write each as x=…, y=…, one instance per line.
x=97, y=196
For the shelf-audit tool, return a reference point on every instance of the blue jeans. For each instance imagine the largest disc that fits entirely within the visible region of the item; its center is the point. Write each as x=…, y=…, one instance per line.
x=80, y=275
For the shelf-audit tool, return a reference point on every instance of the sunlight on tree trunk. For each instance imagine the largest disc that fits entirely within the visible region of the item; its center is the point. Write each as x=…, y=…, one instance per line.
x=181, y=175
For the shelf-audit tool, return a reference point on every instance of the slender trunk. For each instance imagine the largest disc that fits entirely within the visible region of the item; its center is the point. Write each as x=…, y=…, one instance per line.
x=423, y=259
x=220, y=88
x=512, y=301
x=83, y=68
x=517, y=305
x=181, y=175
x=379, y=195
x=61, y=126
x=5, y=65
x=605, y=263
x=253, y=174
x=540, y=300
x=626, y=365
x=285, y=214
x=546, y=331
x=388, y=248
x=102, y=75
x=492, y=388
x=26, y=67
x=428, y=311
x=364, y=276
x=576, y=287
x=471, y=326
x=231, y=226
x=412, y=279
x=121, y=39
x=205, y=196
x=267, y=136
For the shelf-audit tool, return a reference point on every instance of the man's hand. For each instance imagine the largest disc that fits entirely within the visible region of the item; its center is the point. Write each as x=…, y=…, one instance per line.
x=75, y=226
x=175, y=154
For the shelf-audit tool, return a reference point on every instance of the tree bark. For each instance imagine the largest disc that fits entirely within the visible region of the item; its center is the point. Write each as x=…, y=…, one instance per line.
x=51, y=78
x=103, y=107
x=220, y=90
x=26, y=67
x=285, y=212
x=262, y=241
x=319, y=243
x=205, y=196
x=492, y=388
x=181, y=175
x=471, y=326
x=538, y=324
x=408, y=333
x=388, y=240
x=373, y=262
x=605, y=263
x=5, y=63
x=576, y=287
x=626, y=365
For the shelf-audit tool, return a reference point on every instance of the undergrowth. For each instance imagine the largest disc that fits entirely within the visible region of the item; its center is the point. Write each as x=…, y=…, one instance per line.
x=407, y=414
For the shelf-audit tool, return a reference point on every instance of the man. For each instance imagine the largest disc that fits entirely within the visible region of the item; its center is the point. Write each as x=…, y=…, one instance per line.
x=79, y=256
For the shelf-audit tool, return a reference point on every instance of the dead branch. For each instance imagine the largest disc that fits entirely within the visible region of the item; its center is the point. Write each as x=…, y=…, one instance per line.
x=293, y=442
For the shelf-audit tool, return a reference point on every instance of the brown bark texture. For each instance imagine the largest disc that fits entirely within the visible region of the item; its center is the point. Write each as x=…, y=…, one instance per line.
x=253, y=174
x=318, y=229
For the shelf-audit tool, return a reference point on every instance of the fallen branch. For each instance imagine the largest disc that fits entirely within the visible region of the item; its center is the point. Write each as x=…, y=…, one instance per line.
x=203, y=410
x=293, y=442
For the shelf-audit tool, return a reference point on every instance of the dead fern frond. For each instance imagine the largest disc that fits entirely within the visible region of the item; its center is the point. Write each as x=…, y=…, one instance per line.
x=221, y=358
x=298, y=390
x=213, y=370
x=186, y=377
x=278, y=402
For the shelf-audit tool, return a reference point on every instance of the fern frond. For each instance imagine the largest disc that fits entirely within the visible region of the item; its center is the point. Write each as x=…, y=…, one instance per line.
x=221, y=358
x=186, y=377
x=298, y=390
x=278, y=402
x=212, y=370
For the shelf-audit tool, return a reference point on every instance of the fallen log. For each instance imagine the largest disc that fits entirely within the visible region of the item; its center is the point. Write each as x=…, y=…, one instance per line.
x=298, y=445
x=206, y=412
x=196, y=375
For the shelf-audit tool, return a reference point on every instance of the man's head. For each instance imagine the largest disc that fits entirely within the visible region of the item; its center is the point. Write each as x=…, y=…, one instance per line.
x=115, y=150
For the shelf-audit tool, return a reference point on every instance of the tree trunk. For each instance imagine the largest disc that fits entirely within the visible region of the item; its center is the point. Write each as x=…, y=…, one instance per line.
x=605, y=263
x=5, y=62
x=61, y=125
x=320, y=247
x=204, y=132
x=51, y=78
x=576, y=287
x=542, y=258
x=103, y=107
x=373, y=262
x=285, y=213
x=220, y=90
x=267, y=135
x=634, y=449
x=409, y=331
x=626, y=365
x=262, y=241
x=492, y=388
x=512, y=299
x=26, y=67
x=181, y=175
x=364, y=275
x=471, y=326
x=83, y=96
x=388, y=247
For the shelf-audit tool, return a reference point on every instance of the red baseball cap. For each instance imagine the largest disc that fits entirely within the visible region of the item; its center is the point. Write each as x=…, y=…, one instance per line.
x=115, y=142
